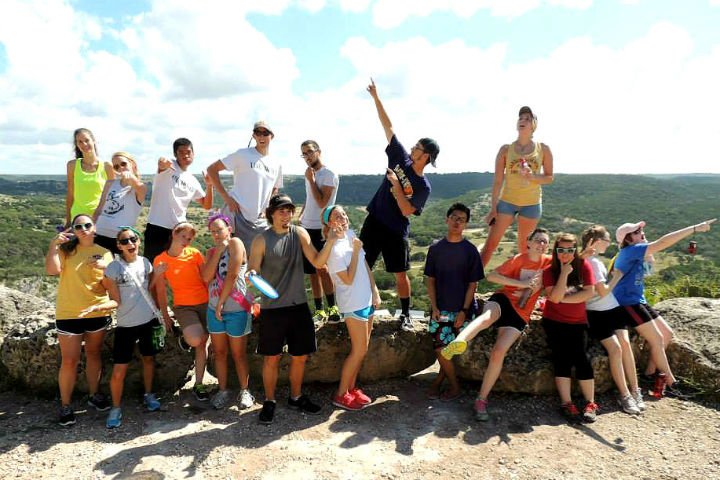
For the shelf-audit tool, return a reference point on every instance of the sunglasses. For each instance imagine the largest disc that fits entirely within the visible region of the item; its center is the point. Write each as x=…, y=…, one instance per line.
x=125, y=241
x=83, y=226
x=565, y=250
x=262, y=133
x=120, y=165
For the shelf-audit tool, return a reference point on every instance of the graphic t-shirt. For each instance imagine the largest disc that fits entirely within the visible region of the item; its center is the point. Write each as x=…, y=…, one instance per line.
x=567, y=312
x=522, y=268
x=517, y=189
x=416, y=189
x=214, y=289
x=172, y=191
x=183, y=276
x=254, y=178
x=310, y=217
x=630, y=290
x=453, y=265
x=134, y=309
x=358, y=295
x=121, y=208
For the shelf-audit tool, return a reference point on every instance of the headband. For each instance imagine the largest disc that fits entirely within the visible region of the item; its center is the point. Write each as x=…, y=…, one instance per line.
x=126, y=227
x=326, y=214
x=219, y=216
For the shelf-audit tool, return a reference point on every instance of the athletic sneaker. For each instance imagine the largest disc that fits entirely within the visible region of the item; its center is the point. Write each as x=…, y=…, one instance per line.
x=99, y=401
x=201, y=392
x=628, y=405
x=570, y=412
x=333, y=314
x=348, y=402
x=304, y=405
x=67, y=416
x=246, y=399
x=637, y=396
x=320, y=316
x=151, y=402
x=114, y=419
x=405, y=323
x=220, y=399
x=456, y=347
x=679, y=390
x=590, y=412
x=267, y=414
x=360, y=396
x=480, y=408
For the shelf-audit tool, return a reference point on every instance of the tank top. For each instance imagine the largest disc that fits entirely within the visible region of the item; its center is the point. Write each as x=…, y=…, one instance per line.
x=121, y=208
x=87, y=189
x=214, y=290
x=516, y=189
x=282, y=267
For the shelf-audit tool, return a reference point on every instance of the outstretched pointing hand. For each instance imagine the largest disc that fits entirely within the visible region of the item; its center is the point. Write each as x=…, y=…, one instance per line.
x=372, y=89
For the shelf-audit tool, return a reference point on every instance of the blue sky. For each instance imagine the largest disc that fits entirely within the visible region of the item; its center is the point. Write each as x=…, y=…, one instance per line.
x=620, y=86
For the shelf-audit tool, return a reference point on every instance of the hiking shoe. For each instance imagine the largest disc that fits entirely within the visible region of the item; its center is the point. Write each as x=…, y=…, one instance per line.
x=360, y=396
x=637, y=396
x=628, y=405
x=405, y=323
x=480, y=408
x=151, y=402
x=590, y=412
x=570, y=412
x=114, y=419
x=679, y=390
x=347, y=401
x=658, y=389
x=456, y=347
x=304, y=405
x=99, y=401
x=220, y=399
x=333, y=314
x=66, y=416
x=201, y=392
x=246, y=399
x=267, y=414
x=320, y=316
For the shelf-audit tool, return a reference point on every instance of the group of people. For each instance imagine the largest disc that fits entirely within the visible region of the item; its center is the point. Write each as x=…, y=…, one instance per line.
x=97, y=257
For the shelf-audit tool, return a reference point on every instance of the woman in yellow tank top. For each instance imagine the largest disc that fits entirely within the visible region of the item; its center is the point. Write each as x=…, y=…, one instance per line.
x=86, y=176
x=520, y=170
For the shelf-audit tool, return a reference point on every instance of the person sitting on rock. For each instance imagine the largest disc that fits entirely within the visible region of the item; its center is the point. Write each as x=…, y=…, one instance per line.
x=277, y=254
x=510, y=307
x=452, y=270
x=357, y=298
x=128, y=280
x=569, y=282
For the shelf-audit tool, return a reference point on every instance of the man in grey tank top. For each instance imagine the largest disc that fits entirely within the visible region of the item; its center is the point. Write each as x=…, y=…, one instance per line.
x=277, y=255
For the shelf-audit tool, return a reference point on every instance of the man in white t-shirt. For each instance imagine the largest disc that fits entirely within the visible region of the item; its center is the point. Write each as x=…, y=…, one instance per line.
x=321, y=186
x=256, y=177
x=172, y=191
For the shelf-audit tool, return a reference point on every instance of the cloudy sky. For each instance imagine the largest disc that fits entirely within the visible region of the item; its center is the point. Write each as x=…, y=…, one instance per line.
x=619, y=86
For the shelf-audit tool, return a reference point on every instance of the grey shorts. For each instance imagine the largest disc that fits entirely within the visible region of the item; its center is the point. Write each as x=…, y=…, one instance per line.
x=187, y=315
x=244, y=229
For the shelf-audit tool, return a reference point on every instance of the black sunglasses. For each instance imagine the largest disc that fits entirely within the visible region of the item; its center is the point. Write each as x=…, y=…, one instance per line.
x=83, y=226
x=125, y=241
x=262, y=133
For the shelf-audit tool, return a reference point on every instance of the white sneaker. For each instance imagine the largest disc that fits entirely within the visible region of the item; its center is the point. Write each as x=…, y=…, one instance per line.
x=220, y=399
x=628, y=405
x=246, y=399
x=639, y=402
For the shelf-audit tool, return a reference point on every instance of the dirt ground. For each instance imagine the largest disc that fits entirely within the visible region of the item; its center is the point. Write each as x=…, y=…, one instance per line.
x=402, y=435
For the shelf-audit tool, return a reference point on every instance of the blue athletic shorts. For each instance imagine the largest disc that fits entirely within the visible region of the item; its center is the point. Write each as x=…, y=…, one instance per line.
x=528, y=211
x=235, y=324
x=363, y=314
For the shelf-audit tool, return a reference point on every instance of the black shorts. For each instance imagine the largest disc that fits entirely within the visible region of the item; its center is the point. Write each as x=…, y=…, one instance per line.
x=79, y=326
x=640, y=314
x=107, y=242
x=287, y=325
x=377, y=239
x=603, y=323
x=127, y=337
x=508, y=316
x=317, y=242
x=156, y=241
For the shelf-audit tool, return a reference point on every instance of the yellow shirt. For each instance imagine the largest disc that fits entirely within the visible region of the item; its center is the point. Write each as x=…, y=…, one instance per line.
x=516, y=189
x=80, y=285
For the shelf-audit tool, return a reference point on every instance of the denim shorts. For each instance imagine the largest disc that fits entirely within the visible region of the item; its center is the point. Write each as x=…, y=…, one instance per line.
x=527, y=211
x=235, y=324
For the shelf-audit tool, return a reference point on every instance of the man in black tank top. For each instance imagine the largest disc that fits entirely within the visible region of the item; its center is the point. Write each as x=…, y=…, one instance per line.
x=277, y=255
